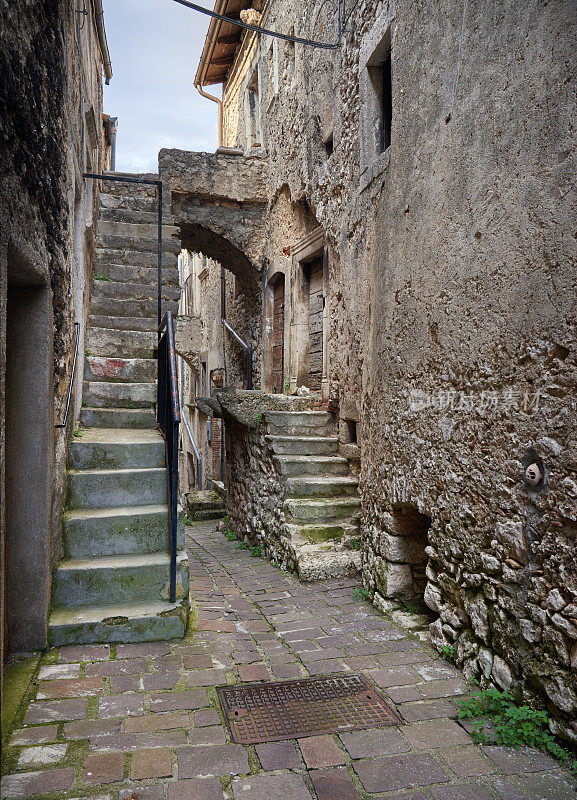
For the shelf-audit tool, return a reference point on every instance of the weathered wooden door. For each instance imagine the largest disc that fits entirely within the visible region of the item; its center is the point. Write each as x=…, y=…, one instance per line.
x=316, y=306
x=278, y=337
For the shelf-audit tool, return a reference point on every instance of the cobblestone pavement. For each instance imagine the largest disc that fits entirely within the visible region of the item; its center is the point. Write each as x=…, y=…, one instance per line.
x=140, y=721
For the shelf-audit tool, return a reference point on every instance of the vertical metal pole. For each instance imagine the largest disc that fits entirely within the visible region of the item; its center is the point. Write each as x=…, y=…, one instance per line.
x=173, y=512
x=159, y=254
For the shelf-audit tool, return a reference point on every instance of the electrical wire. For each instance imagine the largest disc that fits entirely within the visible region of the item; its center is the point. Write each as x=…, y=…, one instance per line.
x=258, y=29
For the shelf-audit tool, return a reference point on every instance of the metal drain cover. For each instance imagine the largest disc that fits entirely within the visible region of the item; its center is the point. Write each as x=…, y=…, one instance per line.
x=267, y=712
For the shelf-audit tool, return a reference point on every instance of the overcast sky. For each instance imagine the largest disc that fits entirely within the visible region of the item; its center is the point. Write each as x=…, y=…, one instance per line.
x=154, y=48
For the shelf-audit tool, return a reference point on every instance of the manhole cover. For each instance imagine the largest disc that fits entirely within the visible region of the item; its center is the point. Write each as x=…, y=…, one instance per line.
x=266, y=712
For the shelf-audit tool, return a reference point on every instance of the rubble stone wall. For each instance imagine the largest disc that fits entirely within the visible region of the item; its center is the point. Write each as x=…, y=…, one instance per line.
x=452, y=308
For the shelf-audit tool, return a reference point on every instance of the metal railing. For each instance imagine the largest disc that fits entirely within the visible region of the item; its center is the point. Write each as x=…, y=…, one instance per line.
x=246, y=347
x=168, y=419
x=63, y=424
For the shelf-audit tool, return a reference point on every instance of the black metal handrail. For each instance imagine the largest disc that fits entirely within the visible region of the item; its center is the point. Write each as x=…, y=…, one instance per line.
x=63, y=424
x=168, y=419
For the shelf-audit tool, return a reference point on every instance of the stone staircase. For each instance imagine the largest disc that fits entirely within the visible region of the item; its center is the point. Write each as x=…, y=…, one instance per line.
x=112, y=585
x=321, y=504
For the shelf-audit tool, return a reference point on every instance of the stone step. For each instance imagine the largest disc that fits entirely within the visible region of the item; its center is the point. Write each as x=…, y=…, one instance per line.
x=322, y=511
x=119, y=531
x=138, y=258
x=204, y=505
x=104, y=488
x=111, y=342
x=109, y=448
x=127, y=273
x=299, y=423
x=99, y=394
x=148, y=323
x=139, y=418
x=133, y=291
x=113, y=239
x=140, y=231
x=137, y=622
x=303, y=445
x=333, y=486
x=115, y=307
x=108, y=203
x=291, y=466
x=316, y=534
x=122, y=370
x=333, y=562
x=136, y=578
x=122, y=213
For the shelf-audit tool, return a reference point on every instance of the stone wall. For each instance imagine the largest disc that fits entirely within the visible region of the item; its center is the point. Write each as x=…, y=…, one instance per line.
x=452, y=306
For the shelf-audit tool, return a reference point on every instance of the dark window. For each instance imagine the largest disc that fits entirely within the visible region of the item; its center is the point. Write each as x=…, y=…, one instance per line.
x=329, y=146
x=387, y=103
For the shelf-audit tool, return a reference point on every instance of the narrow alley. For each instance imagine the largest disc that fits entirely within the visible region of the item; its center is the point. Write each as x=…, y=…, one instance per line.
x=141, y=721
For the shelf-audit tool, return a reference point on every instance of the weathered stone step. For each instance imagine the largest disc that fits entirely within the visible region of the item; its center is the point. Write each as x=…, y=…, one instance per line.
x=139, y=418
x=299, y=423
x=121, y=370
x=334, y=562
x=111, y=342
x=119, y=395
x=303, y=445
x=119, y=531
x=146, y=214
x=148, y=323
x=132, y=291
x=136, y=622
x=140, y=231
x=141, y=577
x=311, y=465
x=108, y=448
x=113, y=239
x=139, y=258
x=204, y=505
x=109, y=202
x=126, y=273
x=116, y=307
x=104, y=488
x=322, y=511
x=316, y=534
x=319, y=486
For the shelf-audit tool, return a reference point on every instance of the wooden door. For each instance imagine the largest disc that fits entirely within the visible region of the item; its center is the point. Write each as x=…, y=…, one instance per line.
x=278, y=337
x=316, y=306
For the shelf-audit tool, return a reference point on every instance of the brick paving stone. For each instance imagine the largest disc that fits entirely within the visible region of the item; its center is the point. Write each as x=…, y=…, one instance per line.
x=170, y=663
x=142, y=650
x=212, y=734
x=34, y=783
x=160, y=680
x=120, y=705
x=462, y=792
x=86, y=729
x=69, y=687
x=398, y=676
x=321, y=751
x=168, y=738
x=325, y=667
x=142, y=792
x=206, y=677
x=41, y=754
x=151, y=763
x=334, y=784
x=402, y=659
x=123, y=667
x=399, y=772
x=443, y=688
x=124, y=683
x=154, y=722
x=40, y=735
x=206, y=716
x=267, y=787
x=220, y=626
x=548, y=786
x=116, y=741
x=402, y=694
x=52, y=671
x=525, y=759
x=179, y=701
x=278, y=755
x=55, y=710
x=253, y=672
x=246, y=657
x=84, y=652
x=383, y=635
x=373, y=742
x=103, y=768
x=196, y=661
x=437, y=670
x=322, y=655
x=435, y=733
x=202, y=761
x=285, y=672
x=196, y=789
x=467, y=762
x=414, y=712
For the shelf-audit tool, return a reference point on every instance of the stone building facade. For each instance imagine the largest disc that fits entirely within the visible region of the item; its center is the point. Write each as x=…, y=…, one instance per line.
x=53, y=59
x=413, y=191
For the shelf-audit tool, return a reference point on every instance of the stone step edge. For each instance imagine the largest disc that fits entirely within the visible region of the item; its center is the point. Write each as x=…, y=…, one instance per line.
x=115, y=511
x=60, y=615
x=158, y=558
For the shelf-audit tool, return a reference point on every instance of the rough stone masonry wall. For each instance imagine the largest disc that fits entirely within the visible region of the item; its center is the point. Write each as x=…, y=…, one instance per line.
x=456, y=281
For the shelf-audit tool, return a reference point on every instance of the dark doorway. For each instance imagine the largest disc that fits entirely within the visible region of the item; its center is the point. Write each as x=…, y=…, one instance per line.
x=278, y=336
x=316, y=307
